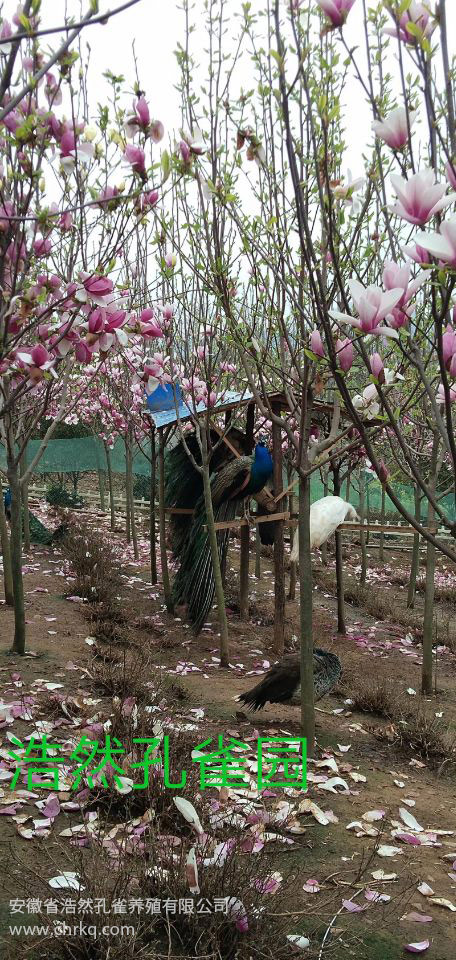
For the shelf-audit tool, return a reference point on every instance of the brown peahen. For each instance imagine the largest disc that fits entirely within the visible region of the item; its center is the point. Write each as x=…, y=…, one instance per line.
x=282, y=683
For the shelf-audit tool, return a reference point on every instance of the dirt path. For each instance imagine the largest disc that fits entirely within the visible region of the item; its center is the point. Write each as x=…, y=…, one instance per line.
x=375, y=774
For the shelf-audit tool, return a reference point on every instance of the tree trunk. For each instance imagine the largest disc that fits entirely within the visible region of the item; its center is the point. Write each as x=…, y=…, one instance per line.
x=341, y=628
x=415, y=563
x=16, y=559
x=127, y=494
x=134, y=532
x=162, y=521
x=244, y=573
x=428, y=619
x=153, y=542
x=305, y=609
x=381, y=553
x=279, y=553
x=25, y=503
x=110, y=485
x=101, y=487
x=362, y=490
x=212, y=535
x=6, y=554
x=291, y=529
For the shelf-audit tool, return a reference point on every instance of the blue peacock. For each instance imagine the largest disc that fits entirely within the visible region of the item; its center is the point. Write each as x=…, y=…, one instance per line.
x=231, y=485
x=39, y=534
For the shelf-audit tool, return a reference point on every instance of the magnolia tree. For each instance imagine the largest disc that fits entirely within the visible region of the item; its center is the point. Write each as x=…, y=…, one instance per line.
x=333, y=288
x=73, y=189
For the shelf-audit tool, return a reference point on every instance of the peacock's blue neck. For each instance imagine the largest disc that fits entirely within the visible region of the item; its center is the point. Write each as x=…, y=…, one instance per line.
x=261, y=468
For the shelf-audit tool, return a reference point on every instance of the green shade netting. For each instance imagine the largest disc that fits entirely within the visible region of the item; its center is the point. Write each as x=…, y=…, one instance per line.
x=81, y=455
x=87, y=455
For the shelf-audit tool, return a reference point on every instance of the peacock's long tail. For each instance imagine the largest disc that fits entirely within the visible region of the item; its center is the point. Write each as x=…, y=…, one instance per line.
x=183, y=488
x=194, y=583
x=184, y=484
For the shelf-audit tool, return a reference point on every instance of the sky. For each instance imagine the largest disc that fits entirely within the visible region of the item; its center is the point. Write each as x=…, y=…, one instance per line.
x=152, y=29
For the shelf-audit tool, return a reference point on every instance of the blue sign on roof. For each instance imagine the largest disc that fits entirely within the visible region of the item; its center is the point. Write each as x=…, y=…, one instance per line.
x=163, y=415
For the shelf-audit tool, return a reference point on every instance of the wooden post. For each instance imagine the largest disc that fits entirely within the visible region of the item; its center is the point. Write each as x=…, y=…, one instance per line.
x=306, y=617
x=110, y=485
x=257, y=553
x=153, y=544
x=381, y=552
x=292, y=585
x=25, y=502
x=324, y=549
x=279, y=567
x=162, y=520
x=341, y=628
x=6, y=553
x=245, y=532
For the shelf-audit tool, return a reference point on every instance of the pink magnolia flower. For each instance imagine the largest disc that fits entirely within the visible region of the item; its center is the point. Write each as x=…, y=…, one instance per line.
x=316, y=344
x=399, y=318
x=148, y=325
x=336, y=10
x=416, y=253
x=419, y=197
x=106, y=197
x=142, y=111
x=236, y=911
x=441, y=394
x=416, y=13
x=395, y=276
x=52, y=90
x=39, y=356
x=5, y=34
x=96, y=322
x=345, y=354
x=6, y=211
x=83, y=352
x=66, y=221
x=372, y=306
x=137, y=158
x=12, y=121
x=167, y=312
x=170, y=260
x=147, y=200
x=157, y=131
x=42, y=246
x=184, y=151
x=97, y=286
x=393, y=129
x=377, y=368
x=139, y=119
x=448, y=345
x=69, y=148
x=441, y=245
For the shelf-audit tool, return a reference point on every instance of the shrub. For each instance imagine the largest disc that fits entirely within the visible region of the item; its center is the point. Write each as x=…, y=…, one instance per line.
x=60, y=497
x=95, y=566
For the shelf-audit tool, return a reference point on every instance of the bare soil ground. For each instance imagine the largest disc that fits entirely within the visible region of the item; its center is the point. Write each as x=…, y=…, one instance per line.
x=379, y=768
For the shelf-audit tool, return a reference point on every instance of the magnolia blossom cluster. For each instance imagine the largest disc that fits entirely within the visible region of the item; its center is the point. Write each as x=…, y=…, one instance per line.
x=336, y=10
x=416, y=15
x=199, y=390
x=91, y=320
